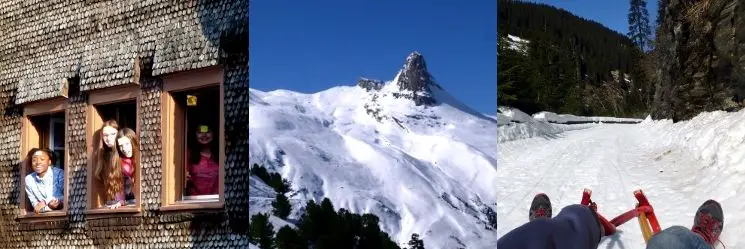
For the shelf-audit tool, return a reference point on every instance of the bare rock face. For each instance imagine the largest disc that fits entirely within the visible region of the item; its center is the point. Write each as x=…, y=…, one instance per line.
x=370, y=84
x=415, y=82
x=412, y=83
x=701, y=47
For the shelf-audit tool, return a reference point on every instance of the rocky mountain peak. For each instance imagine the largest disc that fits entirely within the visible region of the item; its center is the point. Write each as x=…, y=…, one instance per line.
x=415, y=82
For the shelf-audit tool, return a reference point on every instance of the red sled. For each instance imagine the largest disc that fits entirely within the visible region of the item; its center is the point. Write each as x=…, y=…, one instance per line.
x=643, y=211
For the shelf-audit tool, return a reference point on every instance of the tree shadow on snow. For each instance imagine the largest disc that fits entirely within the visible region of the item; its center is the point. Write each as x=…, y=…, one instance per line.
x=615, y=239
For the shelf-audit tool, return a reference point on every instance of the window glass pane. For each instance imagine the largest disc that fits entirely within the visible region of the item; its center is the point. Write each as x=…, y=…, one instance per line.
x=57, y=139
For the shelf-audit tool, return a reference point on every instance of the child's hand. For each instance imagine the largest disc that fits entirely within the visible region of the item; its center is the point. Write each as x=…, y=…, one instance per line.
x=115, y=205
x=54, y=204
x=39, y=206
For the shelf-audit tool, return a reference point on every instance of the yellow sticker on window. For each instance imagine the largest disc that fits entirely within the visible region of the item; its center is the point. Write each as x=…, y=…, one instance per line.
x=191, y=100
x=204, y=128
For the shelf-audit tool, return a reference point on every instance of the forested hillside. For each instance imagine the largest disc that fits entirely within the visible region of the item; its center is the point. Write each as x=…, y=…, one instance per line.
x=568, y=64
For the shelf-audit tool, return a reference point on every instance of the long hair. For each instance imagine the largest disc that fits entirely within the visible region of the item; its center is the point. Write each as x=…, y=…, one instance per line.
x=196, y=148
x=129, y=133
x=108, y=165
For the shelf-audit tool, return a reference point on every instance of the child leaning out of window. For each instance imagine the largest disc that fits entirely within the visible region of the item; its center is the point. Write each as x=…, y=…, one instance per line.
x=44, y=186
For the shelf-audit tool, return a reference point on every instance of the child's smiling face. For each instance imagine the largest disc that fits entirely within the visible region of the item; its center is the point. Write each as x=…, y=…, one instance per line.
x=40, y=162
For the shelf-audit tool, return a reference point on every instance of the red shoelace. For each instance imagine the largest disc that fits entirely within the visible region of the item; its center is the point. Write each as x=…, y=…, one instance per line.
x=707, y=227
x=541, y=212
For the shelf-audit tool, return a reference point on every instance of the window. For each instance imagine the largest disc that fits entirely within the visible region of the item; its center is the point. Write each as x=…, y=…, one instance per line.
x=193, y=140
x=45, y=189
x=110, y=192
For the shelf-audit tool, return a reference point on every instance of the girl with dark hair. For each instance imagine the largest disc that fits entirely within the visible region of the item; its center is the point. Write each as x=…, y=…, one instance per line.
x=45, y=186
x=203, y=170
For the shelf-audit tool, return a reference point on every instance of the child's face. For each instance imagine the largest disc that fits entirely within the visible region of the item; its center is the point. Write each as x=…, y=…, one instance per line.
x=40, y=162
x=204, y=137
x=109, y=136
x=125, y=146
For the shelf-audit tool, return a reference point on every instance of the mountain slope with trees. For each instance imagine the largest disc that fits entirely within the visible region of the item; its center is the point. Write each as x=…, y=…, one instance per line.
x=572, y=65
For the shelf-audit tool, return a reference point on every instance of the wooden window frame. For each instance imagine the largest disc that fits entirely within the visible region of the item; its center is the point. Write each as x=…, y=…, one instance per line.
x=172, y=172
x=94, y=121
x=29, y=140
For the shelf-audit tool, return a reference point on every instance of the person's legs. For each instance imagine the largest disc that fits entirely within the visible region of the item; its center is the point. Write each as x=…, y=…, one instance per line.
x=574, y=227
x=677, y=237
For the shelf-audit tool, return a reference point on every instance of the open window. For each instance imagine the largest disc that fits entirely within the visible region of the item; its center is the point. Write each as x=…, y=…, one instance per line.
x=193, y=140
x=44, y=127
x=120, y=105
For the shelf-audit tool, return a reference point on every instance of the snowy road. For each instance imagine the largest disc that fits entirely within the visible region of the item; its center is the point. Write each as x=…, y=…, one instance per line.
x=614, y=160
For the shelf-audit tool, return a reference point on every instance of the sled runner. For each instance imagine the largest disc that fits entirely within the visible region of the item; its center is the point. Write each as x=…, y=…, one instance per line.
x=643, y=212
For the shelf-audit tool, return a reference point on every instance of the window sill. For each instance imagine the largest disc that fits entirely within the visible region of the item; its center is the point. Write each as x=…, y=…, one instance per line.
x=117, y=212
x=31, y=217
x=193, y=206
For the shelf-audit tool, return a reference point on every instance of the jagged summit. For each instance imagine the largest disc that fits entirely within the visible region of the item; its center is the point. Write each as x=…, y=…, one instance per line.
x=415, y=82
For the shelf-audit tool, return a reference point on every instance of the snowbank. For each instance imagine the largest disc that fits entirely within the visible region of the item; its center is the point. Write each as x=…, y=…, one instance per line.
x=514, y=124
x=572, y=119
x=708, y=151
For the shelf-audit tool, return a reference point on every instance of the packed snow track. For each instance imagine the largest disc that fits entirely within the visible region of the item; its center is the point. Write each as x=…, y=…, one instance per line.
x=679, y=166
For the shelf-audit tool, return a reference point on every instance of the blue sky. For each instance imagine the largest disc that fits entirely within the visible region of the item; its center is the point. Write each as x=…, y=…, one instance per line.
x=310, y=46
x=611, y=13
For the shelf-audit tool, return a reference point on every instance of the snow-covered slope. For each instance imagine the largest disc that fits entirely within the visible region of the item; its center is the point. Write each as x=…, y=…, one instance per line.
x=679, y=166
x=517, y=43
x=514, y=124
x=405, y=151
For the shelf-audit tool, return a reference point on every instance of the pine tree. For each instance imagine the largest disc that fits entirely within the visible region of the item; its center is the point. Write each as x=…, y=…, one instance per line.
x=261, y=231
x=415, y=242
x=280, y=185
x=281, y=206
x=288, y=238
x=509, y=72
x=639, y=29
x=260, y=172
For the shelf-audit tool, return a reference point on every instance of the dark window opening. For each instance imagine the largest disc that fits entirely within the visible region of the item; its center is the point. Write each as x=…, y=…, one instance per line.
x=125, y=114
x=51, y=131
x=201, y=122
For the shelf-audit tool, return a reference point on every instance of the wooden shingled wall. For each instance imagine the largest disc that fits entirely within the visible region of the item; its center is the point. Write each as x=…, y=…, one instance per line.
x=52, y=48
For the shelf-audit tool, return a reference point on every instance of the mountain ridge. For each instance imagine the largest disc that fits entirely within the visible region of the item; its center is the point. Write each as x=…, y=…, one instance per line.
x=423, y=169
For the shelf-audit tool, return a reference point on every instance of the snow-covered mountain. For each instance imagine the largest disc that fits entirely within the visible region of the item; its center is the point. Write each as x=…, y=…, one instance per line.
x=404, y=150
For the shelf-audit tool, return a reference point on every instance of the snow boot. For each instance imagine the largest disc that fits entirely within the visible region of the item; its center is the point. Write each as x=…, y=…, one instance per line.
x=709, y=221
x=540, y=207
